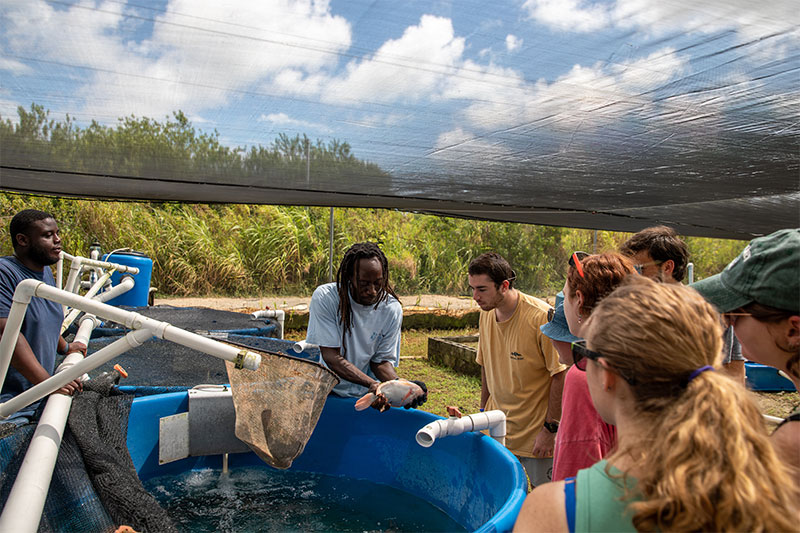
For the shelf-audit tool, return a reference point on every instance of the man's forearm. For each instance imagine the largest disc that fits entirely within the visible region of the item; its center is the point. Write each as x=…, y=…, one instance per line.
x=344, y=368
x=24, y=361
x=553, y=413
x=384, y=371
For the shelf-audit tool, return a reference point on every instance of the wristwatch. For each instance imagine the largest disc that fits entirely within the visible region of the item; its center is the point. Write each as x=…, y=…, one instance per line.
x=552, y=427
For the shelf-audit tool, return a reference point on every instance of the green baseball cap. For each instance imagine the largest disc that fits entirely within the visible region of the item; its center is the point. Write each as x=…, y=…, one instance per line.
x=767, y=272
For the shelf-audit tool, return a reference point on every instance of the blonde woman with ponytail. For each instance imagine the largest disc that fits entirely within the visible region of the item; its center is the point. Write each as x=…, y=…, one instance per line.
x=693, y=453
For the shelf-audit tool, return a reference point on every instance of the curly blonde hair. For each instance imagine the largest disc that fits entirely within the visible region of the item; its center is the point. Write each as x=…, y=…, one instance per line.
x=705, y=462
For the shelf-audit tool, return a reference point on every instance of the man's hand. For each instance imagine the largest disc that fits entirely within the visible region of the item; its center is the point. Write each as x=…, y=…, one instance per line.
x=381, y=403
x=422, y=399
x=76, y=347
x=373, y=388
x=544, y=444
x=71, y=388
x=453, y=411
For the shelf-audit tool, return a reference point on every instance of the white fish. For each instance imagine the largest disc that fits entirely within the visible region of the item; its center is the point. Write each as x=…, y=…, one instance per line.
x=398, y=393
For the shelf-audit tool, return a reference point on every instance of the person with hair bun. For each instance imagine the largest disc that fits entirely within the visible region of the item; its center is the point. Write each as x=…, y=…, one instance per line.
x=758, y=294
x=684, y=460
x=583, y=437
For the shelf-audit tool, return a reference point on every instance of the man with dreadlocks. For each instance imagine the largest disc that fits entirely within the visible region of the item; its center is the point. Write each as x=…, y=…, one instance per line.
x=356, y=323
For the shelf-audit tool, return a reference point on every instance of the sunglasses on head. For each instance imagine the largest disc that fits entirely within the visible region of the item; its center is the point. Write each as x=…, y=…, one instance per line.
x=575, y=262
x=581, y=354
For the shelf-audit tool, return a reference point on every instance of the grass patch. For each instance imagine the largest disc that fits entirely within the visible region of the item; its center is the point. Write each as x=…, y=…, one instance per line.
x=447, y=387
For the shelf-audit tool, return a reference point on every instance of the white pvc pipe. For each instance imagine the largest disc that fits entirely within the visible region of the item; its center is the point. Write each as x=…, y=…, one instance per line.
x=124, y=285
x=53, y=383
x=8, y=341
x=89, y=294
x=23, y=508
x=101, y=264
x=163, y=330
x=494, y=421
x=299, y=346
x=78, y=264
x=277, y=314
x=60, y=270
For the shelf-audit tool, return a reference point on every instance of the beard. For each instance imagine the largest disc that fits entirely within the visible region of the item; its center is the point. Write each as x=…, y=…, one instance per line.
x=42, y=256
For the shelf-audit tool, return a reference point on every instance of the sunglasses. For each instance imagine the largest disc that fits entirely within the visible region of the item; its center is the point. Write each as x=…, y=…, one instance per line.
x=638, y=268
x=730, y=318
x=581, y=354
x=575, y=262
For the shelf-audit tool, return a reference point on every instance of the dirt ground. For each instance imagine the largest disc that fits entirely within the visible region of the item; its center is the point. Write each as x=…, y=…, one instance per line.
x=300, y=303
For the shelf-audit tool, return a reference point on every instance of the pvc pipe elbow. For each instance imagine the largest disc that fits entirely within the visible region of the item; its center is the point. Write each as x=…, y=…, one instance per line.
x=301, y=345
x=25, y=290
x=428, y=434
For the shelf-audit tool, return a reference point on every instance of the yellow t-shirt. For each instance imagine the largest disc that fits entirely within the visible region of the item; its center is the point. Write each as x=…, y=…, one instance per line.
x=518, y=361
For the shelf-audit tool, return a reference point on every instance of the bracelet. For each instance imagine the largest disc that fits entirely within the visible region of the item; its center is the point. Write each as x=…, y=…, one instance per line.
x=59, y=352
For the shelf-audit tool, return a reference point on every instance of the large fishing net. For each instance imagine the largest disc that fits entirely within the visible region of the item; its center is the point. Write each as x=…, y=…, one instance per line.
x=278, y=405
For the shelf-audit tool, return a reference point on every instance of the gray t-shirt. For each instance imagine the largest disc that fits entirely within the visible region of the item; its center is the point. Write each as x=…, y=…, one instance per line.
x=41, y=326
x=731, y=349
x=374, y=336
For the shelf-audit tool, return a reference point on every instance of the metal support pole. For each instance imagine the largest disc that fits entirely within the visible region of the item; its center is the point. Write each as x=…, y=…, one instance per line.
x=330, y=250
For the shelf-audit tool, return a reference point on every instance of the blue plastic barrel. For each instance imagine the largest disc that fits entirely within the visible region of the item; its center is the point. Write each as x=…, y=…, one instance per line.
x=138, y=295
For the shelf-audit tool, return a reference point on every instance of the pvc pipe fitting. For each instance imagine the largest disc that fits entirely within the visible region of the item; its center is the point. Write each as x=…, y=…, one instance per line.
x=277, y=314
x=494, y=421
x=302, y=345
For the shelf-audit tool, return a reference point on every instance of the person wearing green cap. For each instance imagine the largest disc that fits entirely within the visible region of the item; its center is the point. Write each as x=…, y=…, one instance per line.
x=758, y=293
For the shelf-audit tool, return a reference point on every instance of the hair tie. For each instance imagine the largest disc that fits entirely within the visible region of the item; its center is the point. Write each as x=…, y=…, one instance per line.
x=698, y=372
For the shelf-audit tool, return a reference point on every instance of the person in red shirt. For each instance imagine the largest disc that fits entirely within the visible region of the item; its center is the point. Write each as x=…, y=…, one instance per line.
x=583, y=437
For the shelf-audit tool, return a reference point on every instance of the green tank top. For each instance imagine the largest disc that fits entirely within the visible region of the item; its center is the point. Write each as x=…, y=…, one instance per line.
x=598, y=506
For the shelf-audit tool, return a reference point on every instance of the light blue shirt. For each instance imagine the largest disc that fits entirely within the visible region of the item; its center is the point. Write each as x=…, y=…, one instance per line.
x=374, y=336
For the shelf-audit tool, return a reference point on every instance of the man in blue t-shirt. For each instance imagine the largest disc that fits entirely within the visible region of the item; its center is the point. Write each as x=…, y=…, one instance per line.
x=37, y=245
x=356, y=323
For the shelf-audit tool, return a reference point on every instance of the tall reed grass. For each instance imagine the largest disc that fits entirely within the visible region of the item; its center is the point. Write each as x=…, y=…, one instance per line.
x=249, y=250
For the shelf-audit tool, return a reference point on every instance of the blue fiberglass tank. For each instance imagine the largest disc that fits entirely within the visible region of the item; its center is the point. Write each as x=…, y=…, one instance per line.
x=471, y=477
x=139, y=294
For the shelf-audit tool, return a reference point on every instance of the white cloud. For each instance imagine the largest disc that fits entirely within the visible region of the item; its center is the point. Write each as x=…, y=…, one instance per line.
x=464, y=146
x=407, y=69
x=199, y=54
x=513, y=43
x=282, y=119
x=587, y=96
x=658, y=17
x=568, y=15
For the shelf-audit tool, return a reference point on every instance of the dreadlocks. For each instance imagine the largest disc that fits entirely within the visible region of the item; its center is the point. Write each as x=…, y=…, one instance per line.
x=349, y=267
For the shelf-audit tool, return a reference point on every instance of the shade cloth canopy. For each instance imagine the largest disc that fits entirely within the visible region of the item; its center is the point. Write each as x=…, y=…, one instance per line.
x=616, y=114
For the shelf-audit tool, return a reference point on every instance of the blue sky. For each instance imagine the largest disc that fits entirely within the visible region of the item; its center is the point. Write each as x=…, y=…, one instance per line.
x=403, y=81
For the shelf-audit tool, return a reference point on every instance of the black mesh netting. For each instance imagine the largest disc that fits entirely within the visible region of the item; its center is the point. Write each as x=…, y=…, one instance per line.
x=94, y=485
x=99, y=422
x=72, y=504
